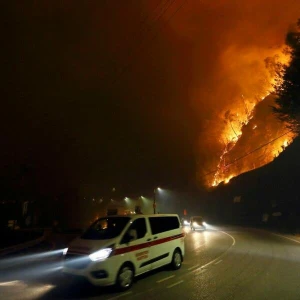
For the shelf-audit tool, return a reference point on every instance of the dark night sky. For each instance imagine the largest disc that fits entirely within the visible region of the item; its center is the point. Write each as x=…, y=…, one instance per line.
x=108, y=92
x=72, y=118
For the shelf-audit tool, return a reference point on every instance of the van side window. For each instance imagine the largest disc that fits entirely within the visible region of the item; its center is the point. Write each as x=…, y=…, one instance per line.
x=137, y=229
x=162, y=224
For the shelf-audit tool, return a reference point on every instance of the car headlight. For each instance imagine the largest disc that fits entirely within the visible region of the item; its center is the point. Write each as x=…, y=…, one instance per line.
x=195, y=224
x=65, y=251
x=185, y=222
x=101, y=254
x=204, y=223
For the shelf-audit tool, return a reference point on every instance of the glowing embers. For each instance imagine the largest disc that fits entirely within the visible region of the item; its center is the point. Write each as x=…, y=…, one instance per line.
x=285, y=144
x=228, y=179
x=282, y=144
x=250, y=136
x=262, y=150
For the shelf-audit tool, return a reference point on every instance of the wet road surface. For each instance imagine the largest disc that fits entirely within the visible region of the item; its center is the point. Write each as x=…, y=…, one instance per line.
x=220, y=263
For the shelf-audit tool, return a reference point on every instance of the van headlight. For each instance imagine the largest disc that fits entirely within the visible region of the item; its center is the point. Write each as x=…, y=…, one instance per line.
x=101, y=254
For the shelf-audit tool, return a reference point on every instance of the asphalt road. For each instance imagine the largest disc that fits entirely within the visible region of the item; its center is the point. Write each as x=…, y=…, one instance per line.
x=220, y=263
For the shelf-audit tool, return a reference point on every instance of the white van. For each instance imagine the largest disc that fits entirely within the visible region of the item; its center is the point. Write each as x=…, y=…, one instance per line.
x=116, y=248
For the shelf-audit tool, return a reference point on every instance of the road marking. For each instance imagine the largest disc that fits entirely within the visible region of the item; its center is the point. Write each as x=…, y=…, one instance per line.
x=230, y=236
x=200, y=272
x=193, y=267
x=164, y=279
x=216, y=259
x=174, y=284
x=296, y=241
x=119, y=296
x=218, y=262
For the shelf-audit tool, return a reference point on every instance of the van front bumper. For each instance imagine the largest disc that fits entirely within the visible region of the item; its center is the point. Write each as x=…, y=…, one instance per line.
x=97, y=273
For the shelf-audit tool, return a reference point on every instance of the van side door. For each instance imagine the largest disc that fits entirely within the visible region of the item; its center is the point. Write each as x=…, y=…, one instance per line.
x=166, y=236
x=135, y=245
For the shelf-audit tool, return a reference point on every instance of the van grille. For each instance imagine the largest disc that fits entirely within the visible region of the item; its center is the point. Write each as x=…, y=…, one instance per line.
x=76, y=261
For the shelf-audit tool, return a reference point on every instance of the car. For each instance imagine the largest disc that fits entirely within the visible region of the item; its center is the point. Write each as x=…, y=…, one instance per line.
x=115, y=249
x=197, y=222
x=185, y=222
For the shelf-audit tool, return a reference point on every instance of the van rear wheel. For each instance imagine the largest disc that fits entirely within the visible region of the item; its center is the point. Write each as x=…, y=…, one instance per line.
x=125, y=277
x=176, y=260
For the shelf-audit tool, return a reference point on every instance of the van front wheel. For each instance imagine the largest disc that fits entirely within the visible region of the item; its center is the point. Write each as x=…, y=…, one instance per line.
x=125, y=277
x=176, y=260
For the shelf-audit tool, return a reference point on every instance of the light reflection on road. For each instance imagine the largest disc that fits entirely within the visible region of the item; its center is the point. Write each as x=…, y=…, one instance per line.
x=198, y=239
x=18, y=289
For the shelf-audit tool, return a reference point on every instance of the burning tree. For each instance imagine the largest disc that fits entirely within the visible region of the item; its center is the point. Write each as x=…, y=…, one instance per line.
x=288, y=101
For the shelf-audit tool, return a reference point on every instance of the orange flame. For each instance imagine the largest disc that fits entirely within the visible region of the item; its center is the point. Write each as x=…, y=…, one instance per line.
x=238, y=117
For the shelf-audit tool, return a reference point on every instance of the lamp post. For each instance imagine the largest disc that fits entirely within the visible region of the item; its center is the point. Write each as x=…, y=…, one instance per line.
x=154, y=199
x=154, y=202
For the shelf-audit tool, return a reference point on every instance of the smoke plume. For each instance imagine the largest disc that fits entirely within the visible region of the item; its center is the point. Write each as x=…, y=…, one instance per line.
x=238, y=50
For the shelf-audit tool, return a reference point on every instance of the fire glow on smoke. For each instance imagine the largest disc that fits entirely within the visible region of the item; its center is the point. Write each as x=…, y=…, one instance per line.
x=243, y=119
x=239, y=49
x=247, y=146
x=219, y=57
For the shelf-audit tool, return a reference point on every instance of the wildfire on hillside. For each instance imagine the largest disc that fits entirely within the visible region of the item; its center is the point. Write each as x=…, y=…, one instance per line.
x=239, y=52
x=252, y=136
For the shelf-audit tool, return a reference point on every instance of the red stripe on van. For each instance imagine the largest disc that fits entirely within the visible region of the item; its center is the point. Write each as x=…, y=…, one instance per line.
x=146, y=245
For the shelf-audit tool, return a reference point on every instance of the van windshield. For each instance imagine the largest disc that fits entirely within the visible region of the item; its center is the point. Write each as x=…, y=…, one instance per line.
x=106, y=228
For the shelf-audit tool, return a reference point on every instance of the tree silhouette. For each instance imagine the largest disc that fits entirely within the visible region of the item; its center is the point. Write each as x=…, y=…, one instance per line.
x=288, y=93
